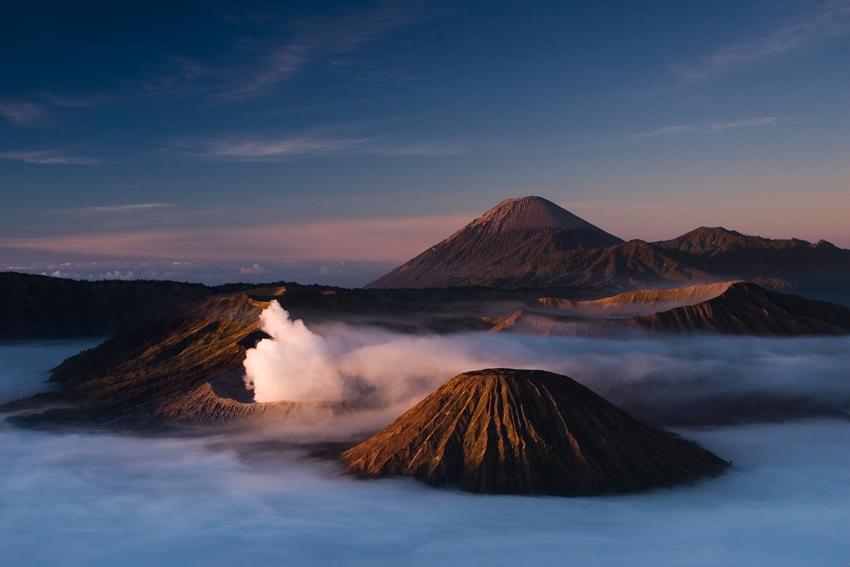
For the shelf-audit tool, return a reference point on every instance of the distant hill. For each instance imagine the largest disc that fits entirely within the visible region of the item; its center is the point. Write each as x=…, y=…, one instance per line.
x=34, y=306
x=505, y=431
x=820, y=270
x=44, y=307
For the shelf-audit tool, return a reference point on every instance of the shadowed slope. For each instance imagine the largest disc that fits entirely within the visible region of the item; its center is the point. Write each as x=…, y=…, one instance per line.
x=34, y=306
x=820, y=270
x=527, y=432
x=630, y=265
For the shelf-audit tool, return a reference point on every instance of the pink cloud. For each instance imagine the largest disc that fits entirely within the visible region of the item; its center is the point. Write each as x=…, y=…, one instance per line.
x=381, y=239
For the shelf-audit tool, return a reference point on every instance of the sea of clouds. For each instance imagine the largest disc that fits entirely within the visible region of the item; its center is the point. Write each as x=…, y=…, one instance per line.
x=73, y=498
x=338, y=362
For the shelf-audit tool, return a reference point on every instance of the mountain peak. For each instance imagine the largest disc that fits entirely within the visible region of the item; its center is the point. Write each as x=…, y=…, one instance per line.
x=498, y=244
x=528, y=213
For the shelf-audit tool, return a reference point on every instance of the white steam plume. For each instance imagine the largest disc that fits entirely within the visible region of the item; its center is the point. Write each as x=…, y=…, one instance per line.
x=293, y=365
x=299, y=365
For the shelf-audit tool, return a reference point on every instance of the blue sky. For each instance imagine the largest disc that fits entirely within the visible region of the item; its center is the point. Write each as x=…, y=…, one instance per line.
x=369, y=130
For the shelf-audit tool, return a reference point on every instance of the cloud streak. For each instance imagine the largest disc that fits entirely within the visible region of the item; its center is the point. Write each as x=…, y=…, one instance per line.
x=708, y=128
x=22, y=113
x=376, y=239
x=117, y=209
x=834, y=20
x=314, y=42
x=26, y=113
x=271, y=63
x=50, y=157
x=309, y=145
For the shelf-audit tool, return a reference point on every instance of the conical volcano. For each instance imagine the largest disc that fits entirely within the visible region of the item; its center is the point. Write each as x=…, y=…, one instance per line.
x=507, y=236
x=531, y=214
x=505, y=431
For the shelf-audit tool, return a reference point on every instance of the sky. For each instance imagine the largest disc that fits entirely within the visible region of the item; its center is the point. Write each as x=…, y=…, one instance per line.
x=269, y=133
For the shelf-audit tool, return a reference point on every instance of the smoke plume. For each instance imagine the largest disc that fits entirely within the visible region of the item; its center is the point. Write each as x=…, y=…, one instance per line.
x=293, y=365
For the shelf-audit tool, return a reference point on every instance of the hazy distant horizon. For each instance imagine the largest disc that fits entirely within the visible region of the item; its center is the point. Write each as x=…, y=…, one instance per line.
x=350, y=254
x=349, y=274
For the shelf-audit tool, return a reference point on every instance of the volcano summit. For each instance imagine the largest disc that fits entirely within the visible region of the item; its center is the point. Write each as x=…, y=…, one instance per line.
x=507, y=235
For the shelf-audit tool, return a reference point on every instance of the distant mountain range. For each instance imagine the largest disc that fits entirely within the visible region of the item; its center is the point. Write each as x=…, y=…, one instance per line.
x=532, y=242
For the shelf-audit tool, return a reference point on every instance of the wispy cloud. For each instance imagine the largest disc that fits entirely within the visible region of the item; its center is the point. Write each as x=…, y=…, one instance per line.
x=247, y=149
x=79, y=101
x=707, y=128
x=22, y=113
x=319, y=145
x=256, y=64
x=315, y=41
x=47, y=110
x=116, y=209
x=259, y=64
x=674, y=131
x=50, y=157
x=274, y=150
x=831, y=20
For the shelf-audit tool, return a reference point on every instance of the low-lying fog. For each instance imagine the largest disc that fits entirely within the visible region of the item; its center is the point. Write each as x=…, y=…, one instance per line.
x=650, y=375
x=76, y=498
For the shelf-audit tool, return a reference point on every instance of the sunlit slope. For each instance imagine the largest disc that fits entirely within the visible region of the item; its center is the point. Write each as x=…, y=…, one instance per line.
x=748, y=309
x=164, y=356
x=643, y=302
x=505, y=431
x=739, y=308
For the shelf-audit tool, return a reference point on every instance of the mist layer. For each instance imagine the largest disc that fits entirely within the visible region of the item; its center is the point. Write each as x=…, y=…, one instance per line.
x=241, y=498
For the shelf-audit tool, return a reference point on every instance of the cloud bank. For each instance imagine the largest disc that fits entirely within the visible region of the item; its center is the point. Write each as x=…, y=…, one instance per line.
x=376, y=239
x=221, y=501
x=680, y=379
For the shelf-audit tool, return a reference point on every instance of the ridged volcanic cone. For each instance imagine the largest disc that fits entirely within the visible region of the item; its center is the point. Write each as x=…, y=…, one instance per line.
x=506, y=431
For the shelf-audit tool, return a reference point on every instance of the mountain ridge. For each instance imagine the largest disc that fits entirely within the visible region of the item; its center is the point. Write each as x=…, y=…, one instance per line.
x=533, y=243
